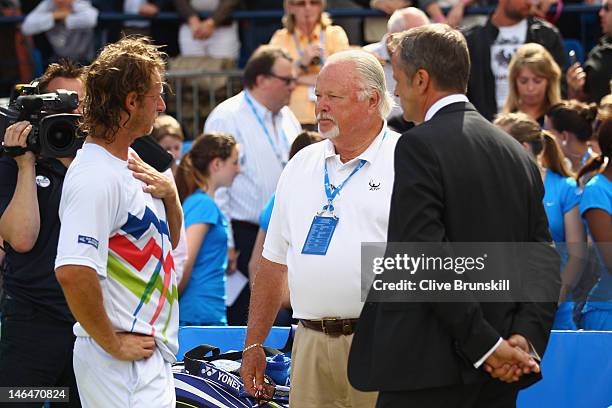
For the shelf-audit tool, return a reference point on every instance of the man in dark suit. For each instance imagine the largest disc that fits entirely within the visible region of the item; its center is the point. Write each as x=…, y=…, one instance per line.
x=458, y=179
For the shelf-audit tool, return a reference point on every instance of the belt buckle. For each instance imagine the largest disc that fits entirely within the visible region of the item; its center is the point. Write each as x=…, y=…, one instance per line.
x=326, y=319
x=346, y=327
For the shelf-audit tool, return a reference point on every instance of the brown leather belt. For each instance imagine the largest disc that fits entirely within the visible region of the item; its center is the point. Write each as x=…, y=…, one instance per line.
x=332, y=327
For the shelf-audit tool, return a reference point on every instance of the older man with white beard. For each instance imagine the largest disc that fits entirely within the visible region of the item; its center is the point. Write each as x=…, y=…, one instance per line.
x=332, y=196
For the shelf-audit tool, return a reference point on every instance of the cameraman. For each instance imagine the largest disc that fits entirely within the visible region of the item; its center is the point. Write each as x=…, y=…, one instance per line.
x=36, y=341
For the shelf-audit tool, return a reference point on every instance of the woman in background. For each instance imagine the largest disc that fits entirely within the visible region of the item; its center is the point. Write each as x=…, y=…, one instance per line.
x=211, y=163
x=596, y=210
x=572, y=124
x=534, y=80
x=561, y=203
x=310, y=38
x=168, y=134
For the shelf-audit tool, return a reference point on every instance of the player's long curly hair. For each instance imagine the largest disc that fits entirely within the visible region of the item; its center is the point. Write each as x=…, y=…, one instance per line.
x=123, y=67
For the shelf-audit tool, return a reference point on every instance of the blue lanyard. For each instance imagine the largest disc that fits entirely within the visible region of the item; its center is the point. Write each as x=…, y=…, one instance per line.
x=586, y=157
x=332, y=194
x=321, y=44
x=278, y=154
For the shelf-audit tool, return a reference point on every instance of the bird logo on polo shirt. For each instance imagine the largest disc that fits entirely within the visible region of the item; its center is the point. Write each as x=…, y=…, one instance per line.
x=374, y=186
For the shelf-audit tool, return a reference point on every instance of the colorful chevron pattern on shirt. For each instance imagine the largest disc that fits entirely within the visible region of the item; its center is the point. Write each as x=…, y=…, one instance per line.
x=141, y=261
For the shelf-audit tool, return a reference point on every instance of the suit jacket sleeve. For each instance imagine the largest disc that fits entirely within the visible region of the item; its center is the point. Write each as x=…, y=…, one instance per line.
x=416, y=215
x=541, y=282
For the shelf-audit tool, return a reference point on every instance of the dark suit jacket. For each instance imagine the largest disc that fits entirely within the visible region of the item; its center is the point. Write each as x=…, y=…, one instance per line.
x=457, y=179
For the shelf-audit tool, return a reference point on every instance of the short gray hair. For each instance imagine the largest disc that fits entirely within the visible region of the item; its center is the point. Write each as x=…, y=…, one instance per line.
x=372, y=76
x=397, y=22
x=438, y=49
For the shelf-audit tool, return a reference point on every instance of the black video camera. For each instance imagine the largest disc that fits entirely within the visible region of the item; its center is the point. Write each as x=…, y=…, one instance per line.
x=55, y=131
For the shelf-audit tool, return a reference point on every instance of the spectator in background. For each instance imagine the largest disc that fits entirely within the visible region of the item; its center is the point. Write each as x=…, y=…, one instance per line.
x=389, y=6
x=169, y=134
x=434, y=10
x=592, y=82
x=310, y=38
x=534, y=82
x=67, y=24
x=572, y=124
x=375, y=27
x=492, y=46
x=352, y=26
x=455, y=16
x=17, y=65
x=302, y=140
x=110, y=31
x=212, y=162
x=215, y=36
x=258, y=31
x=561, y=203
x=400, y=20
x=596, y=210
x=432, y=7
x=264, y=127
x=145, y=8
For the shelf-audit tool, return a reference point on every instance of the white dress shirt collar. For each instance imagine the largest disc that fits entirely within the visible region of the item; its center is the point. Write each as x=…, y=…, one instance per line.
x=447, y=100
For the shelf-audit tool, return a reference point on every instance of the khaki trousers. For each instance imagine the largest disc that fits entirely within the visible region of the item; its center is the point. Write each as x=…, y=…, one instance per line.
x=319, y=373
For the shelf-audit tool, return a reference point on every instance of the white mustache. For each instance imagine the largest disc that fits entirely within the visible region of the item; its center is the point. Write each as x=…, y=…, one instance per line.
x=324, y=116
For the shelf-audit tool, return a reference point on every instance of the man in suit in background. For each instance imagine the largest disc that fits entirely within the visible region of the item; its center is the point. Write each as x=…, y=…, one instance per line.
x=458, y=179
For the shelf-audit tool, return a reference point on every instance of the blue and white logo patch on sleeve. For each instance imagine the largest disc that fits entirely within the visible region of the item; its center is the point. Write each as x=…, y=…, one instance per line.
x=88, y=240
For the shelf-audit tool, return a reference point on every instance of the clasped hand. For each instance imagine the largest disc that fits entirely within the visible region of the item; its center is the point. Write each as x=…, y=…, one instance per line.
x=511, y=360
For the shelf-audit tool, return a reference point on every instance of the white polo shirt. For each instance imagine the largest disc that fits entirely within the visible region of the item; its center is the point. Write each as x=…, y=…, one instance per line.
x=330, y=285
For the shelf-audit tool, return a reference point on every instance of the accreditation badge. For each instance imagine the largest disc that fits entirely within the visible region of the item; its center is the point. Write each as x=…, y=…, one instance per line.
x=320, y=235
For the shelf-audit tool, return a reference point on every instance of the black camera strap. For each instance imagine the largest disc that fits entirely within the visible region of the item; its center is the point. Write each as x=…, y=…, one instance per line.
x=14, y=151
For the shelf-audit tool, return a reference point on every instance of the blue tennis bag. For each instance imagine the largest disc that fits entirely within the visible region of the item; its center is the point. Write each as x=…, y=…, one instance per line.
x=214, y=381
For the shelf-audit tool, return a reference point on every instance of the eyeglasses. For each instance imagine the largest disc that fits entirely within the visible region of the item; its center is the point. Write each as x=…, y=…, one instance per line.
x=606, y=7
x=287, y=80
x=302, y=3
